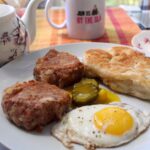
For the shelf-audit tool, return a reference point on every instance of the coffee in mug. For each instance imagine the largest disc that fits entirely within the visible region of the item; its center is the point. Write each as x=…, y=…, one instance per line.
x=84, y=18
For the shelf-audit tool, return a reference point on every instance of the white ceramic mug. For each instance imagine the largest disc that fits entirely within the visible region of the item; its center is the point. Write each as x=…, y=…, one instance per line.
x=84, y=18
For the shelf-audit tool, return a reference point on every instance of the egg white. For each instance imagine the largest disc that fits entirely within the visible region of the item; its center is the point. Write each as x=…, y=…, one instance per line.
x=78, y=127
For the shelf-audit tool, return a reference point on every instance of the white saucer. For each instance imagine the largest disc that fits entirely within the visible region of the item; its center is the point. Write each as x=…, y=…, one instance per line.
x=142, y=42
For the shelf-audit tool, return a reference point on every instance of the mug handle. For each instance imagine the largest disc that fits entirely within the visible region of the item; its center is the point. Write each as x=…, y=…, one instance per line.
x=48, y=5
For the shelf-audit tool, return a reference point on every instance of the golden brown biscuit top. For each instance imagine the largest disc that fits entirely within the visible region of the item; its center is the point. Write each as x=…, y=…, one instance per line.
x=120, y=60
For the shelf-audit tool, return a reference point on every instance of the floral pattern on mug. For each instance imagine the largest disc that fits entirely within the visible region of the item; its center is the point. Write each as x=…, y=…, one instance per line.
x=5, y=38
x=14, y=41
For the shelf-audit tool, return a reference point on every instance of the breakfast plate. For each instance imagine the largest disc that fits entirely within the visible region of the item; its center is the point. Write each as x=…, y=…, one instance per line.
x=21, y=69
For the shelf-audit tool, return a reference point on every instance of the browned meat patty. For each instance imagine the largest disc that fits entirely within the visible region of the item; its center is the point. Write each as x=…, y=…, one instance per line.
x=34, y=104
x=59, y=68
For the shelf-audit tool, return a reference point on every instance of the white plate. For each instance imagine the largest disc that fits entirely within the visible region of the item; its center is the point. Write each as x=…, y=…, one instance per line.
x=20, y=70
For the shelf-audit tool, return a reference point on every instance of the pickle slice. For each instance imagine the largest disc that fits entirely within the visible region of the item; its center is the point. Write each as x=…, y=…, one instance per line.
x=89, y=81
x=84, y=93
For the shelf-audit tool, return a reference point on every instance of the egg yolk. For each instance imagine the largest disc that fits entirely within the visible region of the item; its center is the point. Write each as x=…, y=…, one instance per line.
x=113, y=120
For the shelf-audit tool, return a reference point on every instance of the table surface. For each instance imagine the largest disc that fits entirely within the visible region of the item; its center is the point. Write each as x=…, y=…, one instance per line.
x=119, y=28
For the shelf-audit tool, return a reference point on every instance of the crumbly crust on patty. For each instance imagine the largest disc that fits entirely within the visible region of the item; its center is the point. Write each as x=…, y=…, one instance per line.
x=59, y=68
x=33, y=104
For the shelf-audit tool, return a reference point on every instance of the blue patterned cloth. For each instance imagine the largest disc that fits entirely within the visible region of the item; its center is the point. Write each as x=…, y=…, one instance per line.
x=42, y=4
x=145, y=5
x=145, y=14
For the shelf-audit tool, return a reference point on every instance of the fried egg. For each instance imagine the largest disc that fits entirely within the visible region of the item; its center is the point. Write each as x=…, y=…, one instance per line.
x=101, y=125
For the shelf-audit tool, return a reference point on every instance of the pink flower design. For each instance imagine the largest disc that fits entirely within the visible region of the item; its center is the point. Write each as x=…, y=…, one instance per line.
x=139, y=46
x=146, y=40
